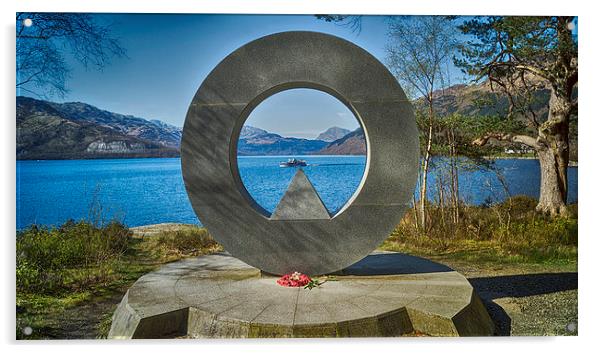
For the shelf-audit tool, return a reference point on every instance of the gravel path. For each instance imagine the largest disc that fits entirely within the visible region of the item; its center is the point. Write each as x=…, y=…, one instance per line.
x=526, y=300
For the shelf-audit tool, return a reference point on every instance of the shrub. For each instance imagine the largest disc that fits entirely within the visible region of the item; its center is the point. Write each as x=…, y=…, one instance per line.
x=190, y=241
x=50, y=258
x=512, y=229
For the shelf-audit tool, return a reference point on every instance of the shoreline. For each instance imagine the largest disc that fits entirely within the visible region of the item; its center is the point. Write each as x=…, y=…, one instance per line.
x=571, y=163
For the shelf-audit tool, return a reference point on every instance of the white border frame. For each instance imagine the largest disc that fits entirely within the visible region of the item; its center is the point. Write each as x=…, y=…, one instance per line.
x=589, y=247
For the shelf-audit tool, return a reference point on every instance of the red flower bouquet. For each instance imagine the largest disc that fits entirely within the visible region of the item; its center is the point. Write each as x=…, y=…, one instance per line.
x=295, y=279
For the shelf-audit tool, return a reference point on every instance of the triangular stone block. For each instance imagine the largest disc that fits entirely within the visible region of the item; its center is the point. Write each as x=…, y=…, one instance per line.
x=300, y=201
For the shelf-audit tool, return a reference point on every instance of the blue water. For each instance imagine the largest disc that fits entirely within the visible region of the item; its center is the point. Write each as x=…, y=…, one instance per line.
x=146, y=191
x=335, y=178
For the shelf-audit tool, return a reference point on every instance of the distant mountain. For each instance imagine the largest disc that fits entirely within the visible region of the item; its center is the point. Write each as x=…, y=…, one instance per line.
x=353, y=143
x=256, y=142
x=47, y=130
x=150, y=130
x=478, y=99
x=332, y=134
x=249, y=132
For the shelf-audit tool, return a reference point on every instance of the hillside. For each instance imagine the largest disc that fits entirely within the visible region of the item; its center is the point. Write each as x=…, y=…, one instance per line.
x=478, y=99
x=475, y=99
x=353, y=143
x=48, y=130
x=332, y=134
x=257, y=142
x=150, y=130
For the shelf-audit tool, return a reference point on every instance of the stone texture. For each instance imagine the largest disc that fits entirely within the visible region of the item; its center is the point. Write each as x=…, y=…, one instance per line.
x=300, y=201
x=219, y=296
x=218, y=111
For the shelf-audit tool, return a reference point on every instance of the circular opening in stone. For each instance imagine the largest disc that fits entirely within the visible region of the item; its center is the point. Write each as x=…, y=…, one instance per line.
x=304, y=129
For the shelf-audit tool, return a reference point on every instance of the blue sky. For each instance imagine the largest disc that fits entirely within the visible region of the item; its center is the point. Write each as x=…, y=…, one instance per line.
x=170, y=55
x=301, y=113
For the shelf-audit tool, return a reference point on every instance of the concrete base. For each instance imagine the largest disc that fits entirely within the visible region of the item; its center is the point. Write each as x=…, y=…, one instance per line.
x=385, y=294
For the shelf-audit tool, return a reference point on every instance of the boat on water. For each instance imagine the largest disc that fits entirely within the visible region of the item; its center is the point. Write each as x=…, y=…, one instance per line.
x=293, y=162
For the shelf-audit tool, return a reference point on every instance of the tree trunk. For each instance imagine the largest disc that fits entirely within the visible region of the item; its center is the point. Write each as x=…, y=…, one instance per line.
x=453, y=169
x=425, y=168
x=552, y=148
x=553, y=156
x=416, y=224
x=552, y=192
x=425, y=164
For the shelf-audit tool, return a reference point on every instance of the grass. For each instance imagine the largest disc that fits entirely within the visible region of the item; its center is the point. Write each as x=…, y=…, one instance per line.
x=78, y=263
x=510, y=232
x=68, y=258
x=183, y=242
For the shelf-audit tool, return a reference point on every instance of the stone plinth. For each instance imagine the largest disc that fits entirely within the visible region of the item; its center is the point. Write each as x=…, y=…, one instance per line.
x=219, y=296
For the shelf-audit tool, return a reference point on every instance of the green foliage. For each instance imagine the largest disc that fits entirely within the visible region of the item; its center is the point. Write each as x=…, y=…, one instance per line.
x=465, y=129
x=313, y=283
x=78, y=255
x=105, y=325
x=78, y=263
x=35, y=310
x=508, y=232
x=517, y=40
x=63, y=258
x=480, y=125
x=520, y=55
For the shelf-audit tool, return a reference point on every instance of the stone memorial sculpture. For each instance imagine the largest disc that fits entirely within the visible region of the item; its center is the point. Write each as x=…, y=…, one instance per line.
x=301, y=234
x=382, y=294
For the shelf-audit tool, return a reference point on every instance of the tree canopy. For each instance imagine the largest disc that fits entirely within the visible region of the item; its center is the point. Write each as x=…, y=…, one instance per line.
x=521, y=54
x=44, y=40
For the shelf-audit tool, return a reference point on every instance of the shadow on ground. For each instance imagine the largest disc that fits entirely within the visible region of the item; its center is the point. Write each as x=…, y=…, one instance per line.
x=489, y=288
x=393, y=264
x=519, y=286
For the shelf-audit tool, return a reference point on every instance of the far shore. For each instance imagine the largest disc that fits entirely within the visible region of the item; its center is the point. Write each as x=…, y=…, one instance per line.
x=571, y=163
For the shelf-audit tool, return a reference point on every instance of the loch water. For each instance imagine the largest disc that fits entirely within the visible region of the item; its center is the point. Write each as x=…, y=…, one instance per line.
x=151, y=190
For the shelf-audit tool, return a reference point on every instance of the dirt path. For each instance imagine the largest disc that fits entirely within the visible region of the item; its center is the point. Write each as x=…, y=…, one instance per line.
x=84, y=321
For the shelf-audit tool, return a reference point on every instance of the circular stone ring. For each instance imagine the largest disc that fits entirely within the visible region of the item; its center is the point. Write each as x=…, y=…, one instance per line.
x=297, y=237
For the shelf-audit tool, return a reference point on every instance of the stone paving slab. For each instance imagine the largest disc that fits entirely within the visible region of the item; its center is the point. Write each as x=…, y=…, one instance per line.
x=219, y=296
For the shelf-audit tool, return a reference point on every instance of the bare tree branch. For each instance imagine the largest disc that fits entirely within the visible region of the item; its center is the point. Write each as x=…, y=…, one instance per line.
x=43, y=46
